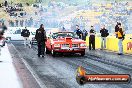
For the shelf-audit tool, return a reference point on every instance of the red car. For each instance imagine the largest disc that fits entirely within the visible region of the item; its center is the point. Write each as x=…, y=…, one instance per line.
x=65, y=42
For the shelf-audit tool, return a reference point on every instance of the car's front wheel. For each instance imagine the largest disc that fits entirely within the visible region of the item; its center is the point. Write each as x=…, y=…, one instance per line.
x=83, y=53
x=53, y=53
x=47, y=51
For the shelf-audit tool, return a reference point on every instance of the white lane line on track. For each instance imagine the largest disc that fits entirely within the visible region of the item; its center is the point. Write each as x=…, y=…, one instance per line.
x=38, y=80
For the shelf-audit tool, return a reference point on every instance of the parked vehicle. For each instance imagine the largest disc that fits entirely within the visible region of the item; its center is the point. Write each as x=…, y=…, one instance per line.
x=14, y=34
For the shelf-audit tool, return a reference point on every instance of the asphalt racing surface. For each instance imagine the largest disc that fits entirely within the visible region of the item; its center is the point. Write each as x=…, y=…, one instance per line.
x=59, y=71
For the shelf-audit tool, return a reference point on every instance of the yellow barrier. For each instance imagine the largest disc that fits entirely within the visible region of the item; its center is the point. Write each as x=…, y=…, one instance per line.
x=112, y=44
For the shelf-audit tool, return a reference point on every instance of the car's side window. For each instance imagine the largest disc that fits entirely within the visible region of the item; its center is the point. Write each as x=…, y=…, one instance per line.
x=54, y=36
x=75, y=36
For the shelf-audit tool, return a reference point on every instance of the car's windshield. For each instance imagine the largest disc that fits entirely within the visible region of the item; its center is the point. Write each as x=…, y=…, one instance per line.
x=64, y=34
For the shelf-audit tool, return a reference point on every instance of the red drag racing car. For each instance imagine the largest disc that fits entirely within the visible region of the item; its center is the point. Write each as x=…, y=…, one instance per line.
x=65, y=42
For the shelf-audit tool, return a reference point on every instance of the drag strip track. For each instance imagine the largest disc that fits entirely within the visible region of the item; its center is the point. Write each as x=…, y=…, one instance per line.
x=81, y=61
x=95, y=70
x=110, y=62
x=117, y=64
x=59, y=71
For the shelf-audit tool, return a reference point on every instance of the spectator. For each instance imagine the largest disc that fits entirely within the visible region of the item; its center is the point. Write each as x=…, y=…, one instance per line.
x=6, y=3
x=16, y=23
x=120, y=35
x=12, y=23
x=2, y=28
x=27, y=4
x=104, y=34
x=78, y=32
x=116, y=29
x=1, y=31
x=92, y=38
x=31, y=21
x=25, y=33
x=84, y=34
x=21, y=23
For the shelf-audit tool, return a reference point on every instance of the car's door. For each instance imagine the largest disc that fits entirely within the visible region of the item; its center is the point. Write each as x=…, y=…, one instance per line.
x=48, y=43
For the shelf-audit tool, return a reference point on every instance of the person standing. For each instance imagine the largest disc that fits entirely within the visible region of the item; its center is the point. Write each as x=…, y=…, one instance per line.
x=16, y=23
x=92, y=38
x=5, y=3
x=84, y=34
x=121, y=36
x=25, y=33
x=3, y=28
x=41, y=39
x=116, y=29
x=104, y=34
x=21, y=23
x=31, y=22
x=78, y=32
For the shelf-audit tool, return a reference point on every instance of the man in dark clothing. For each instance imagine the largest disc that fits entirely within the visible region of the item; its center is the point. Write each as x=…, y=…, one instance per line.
x=25, y=33
x=104, y=34
x=116, y=28
x=78, y=32
x=84, y=34
x=41, y=39
x=6, y=3
x=3, y=28
x=92, y=38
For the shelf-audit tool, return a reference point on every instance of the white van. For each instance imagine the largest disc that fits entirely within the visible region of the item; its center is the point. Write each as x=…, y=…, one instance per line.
x=14, y=33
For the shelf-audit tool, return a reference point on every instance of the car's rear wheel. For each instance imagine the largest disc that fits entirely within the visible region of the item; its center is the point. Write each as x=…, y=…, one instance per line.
x=53, y=53
x=83, y=53
x=47, y=51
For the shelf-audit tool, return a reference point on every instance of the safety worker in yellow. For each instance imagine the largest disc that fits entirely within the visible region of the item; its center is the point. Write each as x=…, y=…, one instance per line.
x=121, y=37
